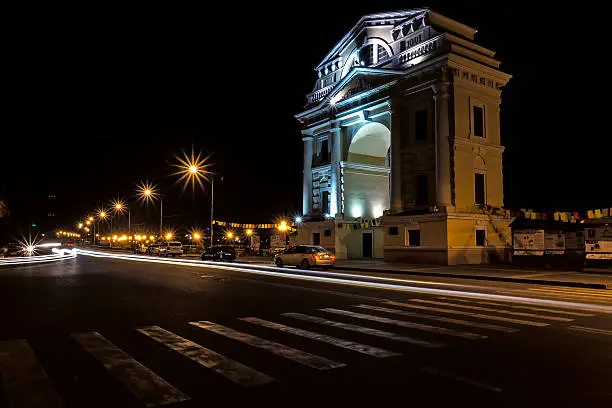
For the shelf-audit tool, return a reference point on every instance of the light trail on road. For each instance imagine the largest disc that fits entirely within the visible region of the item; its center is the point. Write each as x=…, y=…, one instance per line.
x=59, y=254
x=335, y=278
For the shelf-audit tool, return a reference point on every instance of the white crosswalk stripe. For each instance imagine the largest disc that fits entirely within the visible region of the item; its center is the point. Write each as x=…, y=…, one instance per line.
x=488, y=309
x=592, y=330
x=440, y=319
x=220, y=364
x=417, y=326
x=148, y=387
x=364, y=330
x=350, y=345
x=302, y=357
x=24, y=380
x=537, y=309
x=465, y=313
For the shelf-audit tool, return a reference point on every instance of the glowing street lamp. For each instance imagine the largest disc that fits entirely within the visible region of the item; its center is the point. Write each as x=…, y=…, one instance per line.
x=192, y=169
x=120, y=207
x=230, y=235
x=148, y=193
x=80, y=225
x=196, y=236
x=169, y=236
x=282, y=227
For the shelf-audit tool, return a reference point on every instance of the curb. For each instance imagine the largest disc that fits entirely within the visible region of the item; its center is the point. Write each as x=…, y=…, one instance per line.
x=486, y=278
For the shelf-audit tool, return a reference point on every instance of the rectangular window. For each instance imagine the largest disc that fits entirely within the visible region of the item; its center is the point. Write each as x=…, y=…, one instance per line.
x=324, y=153
x=403, y=46
x=420, y=124
x=325, y=206
x=327, y=233
x=393, y=231
x=478, y=121
x=479, y=189
x=422, y=193
x=413, y=237
x=481, y=236
x=316, y=238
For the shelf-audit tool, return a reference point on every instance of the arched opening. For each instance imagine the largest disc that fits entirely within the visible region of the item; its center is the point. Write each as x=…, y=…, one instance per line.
x=366, y=172
x=370, y=145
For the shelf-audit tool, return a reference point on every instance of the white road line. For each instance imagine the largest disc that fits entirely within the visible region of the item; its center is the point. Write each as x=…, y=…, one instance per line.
x=488, y=309
x=25, y=381
x=148, y=387
x=364, y=330
x=596, y=295
x=546, y=299
x=299, y=356
x=462, y=379
x=411, y=325
x=537, y=309
x=440, y=319
x=591, y=330
x=350, y=345
x=464, y=313
x=230, y=369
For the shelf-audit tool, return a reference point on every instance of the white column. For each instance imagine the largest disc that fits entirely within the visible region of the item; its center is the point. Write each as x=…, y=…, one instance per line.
x=443, y=152
x=396, y=162
x=336, y=182
x=307, y=177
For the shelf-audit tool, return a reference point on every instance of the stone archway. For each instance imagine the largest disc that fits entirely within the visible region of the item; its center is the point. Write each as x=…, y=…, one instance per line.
x=366, y=172
x=370, y=145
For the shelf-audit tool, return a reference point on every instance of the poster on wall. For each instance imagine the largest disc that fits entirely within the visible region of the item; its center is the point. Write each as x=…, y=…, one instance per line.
x=554, y=242
x=599, y=243
x=529, y=242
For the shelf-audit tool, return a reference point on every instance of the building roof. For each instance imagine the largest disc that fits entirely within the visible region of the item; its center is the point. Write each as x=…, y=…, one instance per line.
x=398, y=18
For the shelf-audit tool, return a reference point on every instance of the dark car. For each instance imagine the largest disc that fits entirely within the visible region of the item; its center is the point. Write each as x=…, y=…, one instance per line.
x=219, y=253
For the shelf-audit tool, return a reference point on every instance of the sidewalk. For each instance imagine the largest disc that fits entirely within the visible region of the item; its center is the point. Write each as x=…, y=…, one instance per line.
x=589, y=278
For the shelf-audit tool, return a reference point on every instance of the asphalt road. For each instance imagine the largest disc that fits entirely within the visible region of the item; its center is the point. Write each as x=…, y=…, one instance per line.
x=102, y=332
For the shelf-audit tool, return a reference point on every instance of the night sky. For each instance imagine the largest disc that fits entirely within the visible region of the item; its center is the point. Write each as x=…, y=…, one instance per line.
x=96, y=100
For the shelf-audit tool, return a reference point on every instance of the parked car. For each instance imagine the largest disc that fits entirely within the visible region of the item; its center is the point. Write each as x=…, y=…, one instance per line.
x=141, y=249
x=172, y=248
x=219, y=253
x=305, y=256
x=153, y=249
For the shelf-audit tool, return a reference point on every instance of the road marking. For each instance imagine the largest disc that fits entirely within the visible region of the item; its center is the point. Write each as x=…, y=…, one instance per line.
x=574, y=292
x=299, y=356
x=411, y=325
x=148, y=387
x=350, y=345
x=230, y=369
x=364, y=330
x=463, y=312
x=488, y=309
x=25, y=381
x=440, y=319
x=591, y=330
x=462, y=379
x=537, y=309
x=532, y=275
x=549, y=298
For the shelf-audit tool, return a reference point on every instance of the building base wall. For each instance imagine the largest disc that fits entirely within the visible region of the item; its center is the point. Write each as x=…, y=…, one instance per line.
x=447, y=239
x=346, y=243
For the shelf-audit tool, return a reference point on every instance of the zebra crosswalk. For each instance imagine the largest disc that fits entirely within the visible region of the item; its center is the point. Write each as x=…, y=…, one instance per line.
x=324, y=339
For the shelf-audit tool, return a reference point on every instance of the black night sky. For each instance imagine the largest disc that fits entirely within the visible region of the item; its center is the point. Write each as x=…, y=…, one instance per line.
x=96, y=100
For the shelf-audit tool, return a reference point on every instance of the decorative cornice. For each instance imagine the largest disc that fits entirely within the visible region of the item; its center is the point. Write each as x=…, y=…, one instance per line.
x=361, y=166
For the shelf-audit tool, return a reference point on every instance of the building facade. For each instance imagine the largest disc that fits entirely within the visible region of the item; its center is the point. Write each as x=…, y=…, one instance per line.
x=402, y=152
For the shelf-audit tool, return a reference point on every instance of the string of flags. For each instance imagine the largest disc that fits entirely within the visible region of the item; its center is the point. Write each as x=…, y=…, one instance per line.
x=361, y=224
x=239, y=225
x=565, y=216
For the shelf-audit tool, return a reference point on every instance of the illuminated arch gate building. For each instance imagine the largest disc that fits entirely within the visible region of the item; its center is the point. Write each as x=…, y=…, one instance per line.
x=404, y=122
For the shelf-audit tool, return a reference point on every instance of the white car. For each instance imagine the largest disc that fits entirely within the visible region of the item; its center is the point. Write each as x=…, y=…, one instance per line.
x=305, y=256
x=173, y=248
